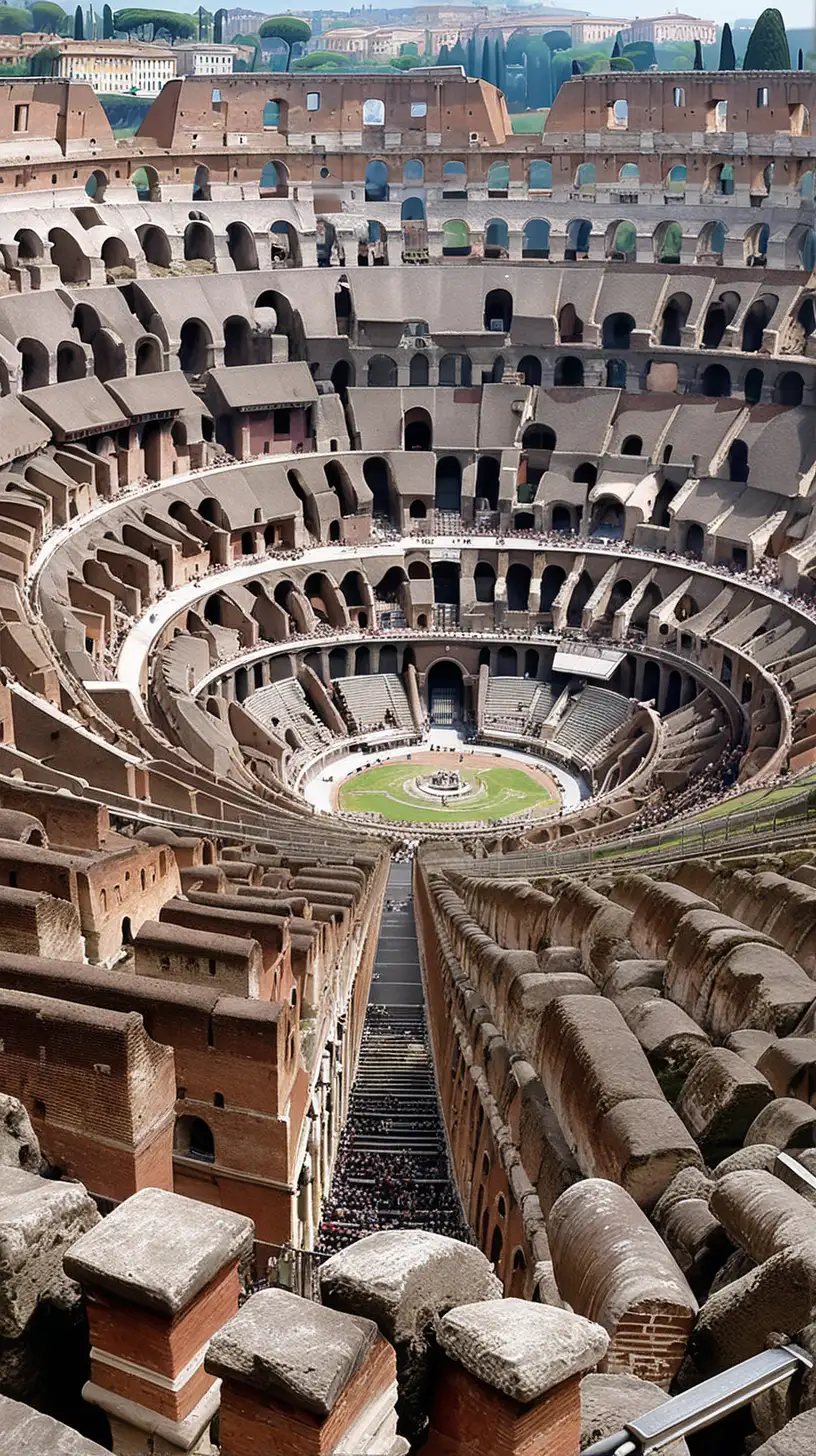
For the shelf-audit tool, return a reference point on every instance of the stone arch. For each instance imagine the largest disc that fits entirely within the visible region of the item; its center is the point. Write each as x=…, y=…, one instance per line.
x=193, y=1138
x=274, y=179
x=382, y=372
x=570, y=325
x=97, y=185
x=147, y=184
x=718, y=317
x=242, y=247
x=756, y=321
x=580, y=596
x=711, y=243
x=71, y=363
x=576, y=242
x=552, y=580
x=149, y=356
x=199, y=243
x=376, y=181
x=496, y=239
x=789, y=388
x=114, y=254
x=694, y=542
x=155, y=245
x=617, y=331
x=201, y=184
x=448, y=485
x=487, y=482
x=455, y=239
x=284, y=245
x=417, y=430
x=608, y=519
x=237, y=342
x=673, y=320
x=716, y=382
x=35, y=363
x=518, y=587
x=484, y=582
x=339, y=482
x=535, y=238
x=569, y=373
x=667, y=242
x=755, y=245
x=195, y=352
x=455, y=370
x=30, y=246
x=752, y=388
x=652, y=597
x=67, y=255
x=377, y=477
x=529, y=367
x=454, y=180
x=418, y=371
x=621, y=242
x=498, y=311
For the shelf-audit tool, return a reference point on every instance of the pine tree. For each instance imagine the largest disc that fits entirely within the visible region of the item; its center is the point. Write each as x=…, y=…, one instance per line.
x=768, y=48
x=499, y=63
x=472, y=58
x=698, y=57
x=79, y=29
x=443, y=59
x=617, y=47
x=728, y=61
x=800, y=65
x=487, y=61
x=457, y=55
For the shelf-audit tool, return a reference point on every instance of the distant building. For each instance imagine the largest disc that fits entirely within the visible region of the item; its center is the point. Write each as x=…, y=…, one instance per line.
x=242, y=22
x=203, y=58
x=672, y=28
x=114, y=67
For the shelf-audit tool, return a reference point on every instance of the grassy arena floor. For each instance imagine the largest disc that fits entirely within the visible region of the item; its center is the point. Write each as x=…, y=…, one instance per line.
x=382, y=791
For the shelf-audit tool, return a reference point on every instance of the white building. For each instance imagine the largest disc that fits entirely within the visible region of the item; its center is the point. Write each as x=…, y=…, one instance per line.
x=116, y=68
x=202, y=58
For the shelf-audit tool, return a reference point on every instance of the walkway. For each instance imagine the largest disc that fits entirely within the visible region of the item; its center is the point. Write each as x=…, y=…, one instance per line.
x=392, y=1167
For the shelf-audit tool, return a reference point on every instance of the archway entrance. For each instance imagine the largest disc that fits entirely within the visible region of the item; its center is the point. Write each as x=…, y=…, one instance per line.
x=446, y=694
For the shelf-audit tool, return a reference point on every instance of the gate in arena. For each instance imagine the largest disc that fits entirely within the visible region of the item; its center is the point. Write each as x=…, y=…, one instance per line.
x=446, y=695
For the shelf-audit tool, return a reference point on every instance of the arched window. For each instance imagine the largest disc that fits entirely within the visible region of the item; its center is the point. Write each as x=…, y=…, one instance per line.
x=373, y=112
x=455, y=239
x=569, y=373
x=789, y=388
x=496, y=239
x=498, y=179
x=382, y=372
x=632, y=445
x=539, y=177
x=413, y=172
x=617, y=330
x=498, y=311
x=535, y=239
x=454, y=180
x=376, y=181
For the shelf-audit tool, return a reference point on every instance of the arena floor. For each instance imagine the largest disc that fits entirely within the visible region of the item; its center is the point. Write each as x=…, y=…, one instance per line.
x=500, y=789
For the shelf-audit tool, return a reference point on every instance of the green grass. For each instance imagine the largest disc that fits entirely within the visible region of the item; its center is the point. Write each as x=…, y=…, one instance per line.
x=528, y=122
x=382, y=791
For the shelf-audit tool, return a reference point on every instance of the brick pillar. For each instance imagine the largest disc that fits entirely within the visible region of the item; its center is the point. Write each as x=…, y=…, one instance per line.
x=160, y=1275
x=510, y=1380
x=305, y=1380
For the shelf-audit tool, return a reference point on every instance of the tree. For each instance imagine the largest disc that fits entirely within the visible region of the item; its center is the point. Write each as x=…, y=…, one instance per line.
x=617, y=48
x=698, y=57
x=218, y=26
x=621, y=63
x=107, y=23
x=487, y=61
x=178, y=27
x=13, y=21
x=768, y=48
x=289, y=29
x=557, y=40
x=458, y=55
x=47, y=16
x=800, y=64
x=576, y=68
x=79, y=27
x=539, y=76
x=641, y=53
x=443, y=59
x=323, y=61
x=472, y=66
x=405, y=63
x=728, y=61
x=499, y=62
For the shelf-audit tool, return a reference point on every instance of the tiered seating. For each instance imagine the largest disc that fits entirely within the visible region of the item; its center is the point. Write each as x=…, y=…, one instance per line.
x=508, y=703
x=592, y=717
x=375, y=701
x=284, y=705
x=540, y=708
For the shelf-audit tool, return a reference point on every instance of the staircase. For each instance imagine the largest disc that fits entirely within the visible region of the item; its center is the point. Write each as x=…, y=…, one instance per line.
x=392, y=1166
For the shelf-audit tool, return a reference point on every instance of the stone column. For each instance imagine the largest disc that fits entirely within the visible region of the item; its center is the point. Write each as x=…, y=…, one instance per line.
x=305, y=1380
x=160, y=1276
x=403, y=1281
x=510, y=1381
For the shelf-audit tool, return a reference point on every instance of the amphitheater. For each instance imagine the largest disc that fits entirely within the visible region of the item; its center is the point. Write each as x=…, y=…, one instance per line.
x=407, y=767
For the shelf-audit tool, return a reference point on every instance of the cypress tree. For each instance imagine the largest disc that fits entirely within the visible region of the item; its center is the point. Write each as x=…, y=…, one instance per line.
x=79, y=28
x=768, y=48
x=728, y=61
x=457, y=55
x=698, y=57
x=500, y=63
x=800, y=65
x=443, y=59
x=487, y=61
x=576, y=69
x=617, y=47
x=472, y=61
x=107, y=23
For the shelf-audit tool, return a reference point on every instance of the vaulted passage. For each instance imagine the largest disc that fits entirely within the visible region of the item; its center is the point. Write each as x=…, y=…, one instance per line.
x=392, y=1168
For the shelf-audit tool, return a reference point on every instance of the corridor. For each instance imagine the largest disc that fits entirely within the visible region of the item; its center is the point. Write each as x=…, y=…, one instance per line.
x=392, y=1167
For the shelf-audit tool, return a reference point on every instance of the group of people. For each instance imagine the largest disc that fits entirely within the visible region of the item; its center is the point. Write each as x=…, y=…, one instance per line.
x=387, y=1190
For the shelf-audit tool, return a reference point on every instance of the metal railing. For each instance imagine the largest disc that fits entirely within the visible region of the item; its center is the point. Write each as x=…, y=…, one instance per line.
x=705, y=1404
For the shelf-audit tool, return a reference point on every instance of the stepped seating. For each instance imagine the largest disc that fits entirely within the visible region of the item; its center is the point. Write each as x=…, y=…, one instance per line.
x=592, y=717
x=377, y=700
x=283, y=705
x=508, y=703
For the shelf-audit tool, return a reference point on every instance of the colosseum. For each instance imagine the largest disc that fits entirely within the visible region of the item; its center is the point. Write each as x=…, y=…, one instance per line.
x=407, y=754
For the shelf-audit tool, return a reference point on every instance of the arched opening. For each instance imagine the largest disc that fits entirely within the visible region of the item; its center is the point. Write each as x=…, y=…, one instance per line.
x=649, y=601
x=284, y=245
x=674, y=319
x=155, y=246
x=716, y=382
x=789, y=388
x=757, y=319
x=70, y=363
x=718, y=317
x=116, y=259
x=418, y=371
x=237, y=342
x=507, y=662
x=446, y=583
x=74, y=266
x=417, y=430
x=340, y=484
x=551, y=583
x=569, y=373
x=342, y=377
x=201, y=184
x=535, y=239
x=448, y=485
x=376, y=181
x=530, y=369
x=375, y=475
x=96, y=185
x=148, y=357
x=199, y=243
x=539, y=176
x=580, y=596
x=337, y=662
x=412, y=210
x=607, y=520
x=446, y=694
x=711, y=243
x=576, y=245
x=496, y=239
x=616, y=374
x=146, y=182
x=417, y=511
x=668, y=243
x=651, y=682
x=738, y=461
x=617, y=330
x=195, y=348
x=454, y=180
x=413, y=172
x=753, y=386
x=382, y=372
x=484, y=581
x=192, y=1138
x=695, y=541
x=498, y=311
x=455, y=239
x=632, y=445
x=518, y=587
x=561, y=520
x=455, y=371
x=35, y=363
x=755, y=246
x=242, y=247
x=621, y=242
x=570, y=326
x=487, y=483
x=274, y=180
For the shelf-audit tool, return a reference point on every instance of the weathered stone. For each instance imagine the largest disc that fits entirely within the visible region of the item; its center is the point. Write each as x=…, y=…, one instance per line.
x=291, y=1348
x=797, y=1438
x=519, y=1348
x=607, y=1401
x=786, y=1122
x=19, y=1147
x=720, y=1099
x=40, y=1220
x=25, y=1432
x=160, y=1250
x=760, y=1214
